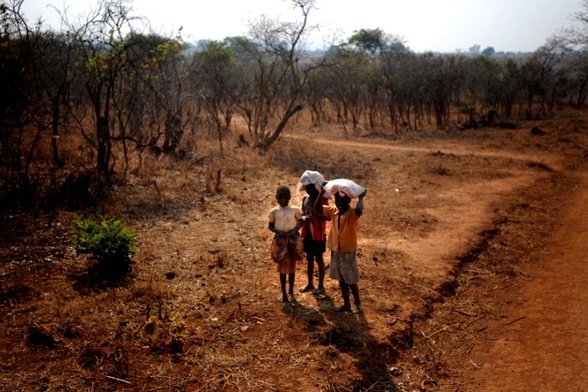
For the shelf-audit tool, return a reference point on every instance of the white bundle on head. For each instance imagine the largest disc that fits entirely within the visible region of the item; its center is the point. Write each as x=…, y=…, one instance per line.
x=311, y=177
x=344, y=186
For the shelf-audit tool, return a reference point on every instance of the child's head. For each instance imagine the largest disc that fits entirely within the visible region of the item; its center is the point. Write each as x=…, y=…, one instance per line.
x=342, y=201
x=283, y=195
x=311, y=190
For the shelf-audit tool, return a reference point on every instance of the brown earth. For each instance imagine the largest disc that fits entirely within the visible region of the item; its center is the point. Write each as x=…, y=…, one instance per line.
x=471, y=255
x=541, y=341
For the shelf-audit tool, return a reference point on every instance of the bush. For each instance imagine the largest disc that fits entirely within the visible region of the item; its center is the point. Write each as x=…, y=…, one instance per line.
x=110, y=243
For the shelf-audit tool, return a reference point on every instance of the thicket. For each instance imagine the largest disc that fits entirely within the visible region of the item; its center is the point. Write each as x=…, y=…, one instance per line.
x=76, y=103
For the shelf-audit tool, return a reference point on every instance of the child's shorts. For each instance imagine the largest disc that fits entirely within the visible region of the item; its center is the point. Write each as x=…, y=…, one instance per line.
x=313, y=247
x=286, y=247
x=344, y=267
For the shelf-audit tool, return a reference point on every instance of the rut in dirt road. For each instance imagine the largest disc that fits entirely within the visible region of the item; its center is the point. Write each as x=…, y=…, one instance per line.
x=545, y=346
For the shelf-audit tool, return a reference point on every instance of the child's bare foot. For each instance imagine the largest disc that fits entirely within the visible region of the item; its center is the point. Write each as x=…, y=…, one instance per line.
x=291, y=297
x=283, y=298
x=358, y=309
x=343, y=308
x=320, y=290
x=306, y=288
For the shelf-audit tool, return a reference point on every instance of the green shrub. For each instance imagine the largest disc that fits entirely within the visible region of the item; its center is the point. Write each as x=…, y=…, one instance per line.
x=110, y=243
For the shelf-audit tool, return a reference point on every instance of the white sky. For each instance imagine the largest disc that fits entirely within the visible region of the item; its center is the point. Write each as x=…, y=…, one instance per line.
x=437, y=25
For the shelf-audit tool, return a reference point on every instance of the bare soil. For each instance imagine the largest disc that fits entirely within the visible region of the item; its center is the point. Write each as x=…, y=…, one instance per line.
x=472, y=249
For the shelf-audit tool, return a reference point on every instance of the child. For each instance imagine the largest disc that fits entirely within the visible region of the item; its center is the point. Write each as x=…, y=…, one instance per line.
x=342, y=240
x=286, y=247
x=314, y=236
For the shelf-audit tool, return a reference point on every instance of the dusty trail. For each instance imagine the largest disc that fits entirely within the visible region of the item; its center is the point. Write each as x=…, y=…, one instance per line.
x=467, y=211
x=547, y=349
x=447, y=146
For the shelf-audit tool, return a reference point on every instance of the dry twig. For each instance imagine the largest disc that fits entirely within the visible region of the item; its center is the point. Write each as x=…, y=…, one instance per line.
x=118, y=379
x=515, y=320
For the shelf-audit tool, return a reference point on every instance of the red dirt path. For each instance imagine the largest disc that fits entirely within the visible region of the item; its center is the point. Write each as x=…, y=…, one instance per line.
x=540, y=340
x=545, y=346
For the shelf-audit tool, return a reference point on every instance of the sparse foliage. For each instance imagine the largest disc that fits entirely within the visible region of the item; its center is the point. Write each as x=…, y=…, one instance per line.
x=576, y=35
x=109, y=242
x=277, y=73
x=80, y=98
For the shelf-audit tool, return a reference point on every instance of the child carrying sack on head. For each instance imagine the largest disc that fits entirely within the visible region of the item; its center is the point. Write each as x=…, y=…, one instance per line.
x=314, y=231
x=342, y=238
x=286, y=248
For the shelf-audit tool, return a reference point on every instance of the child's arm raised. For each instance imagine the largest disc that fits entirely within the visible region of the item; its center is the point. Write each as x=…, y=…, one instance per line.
x=318, y=203
x=359, y=206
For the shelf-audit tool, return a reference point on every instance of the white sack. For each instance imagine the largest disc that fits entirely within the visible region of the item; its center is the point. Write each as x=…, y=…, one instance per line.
x=344, y=185
x=311, y=177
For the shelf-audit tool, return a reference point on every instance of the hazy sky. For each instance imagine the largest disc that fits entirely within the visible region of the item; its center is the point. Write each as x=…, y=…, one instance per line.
x=437, y=25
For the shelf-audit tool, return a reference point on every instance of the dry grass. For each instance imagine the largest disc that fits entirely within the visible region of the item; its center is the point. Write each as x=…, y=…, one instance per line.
x=199, y=310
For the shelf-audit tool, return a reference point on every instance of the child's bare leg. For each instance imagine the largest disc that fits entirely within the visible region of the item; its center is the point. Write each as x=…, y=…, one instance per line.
x=320, y=261
x=309, y=272
x=345, y=294
x=291, y=286
x=283, y=296
x=355, y=291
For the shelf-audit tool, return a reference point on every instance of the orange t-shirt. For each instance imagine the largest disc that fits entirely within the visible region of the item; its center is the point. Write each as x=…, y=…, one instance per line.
x=342, y=237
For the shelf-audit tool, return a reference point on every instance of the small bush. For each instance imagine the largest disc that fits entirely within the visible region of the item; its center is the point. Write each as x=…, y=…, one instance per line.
x=110, y=243
x=165, y=337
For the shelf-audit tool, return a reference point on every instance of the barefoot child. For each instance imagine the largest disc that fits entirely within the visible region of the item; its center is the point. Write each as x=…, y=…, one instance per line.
x=286, y=248
x=314, y=232
x=342, y=240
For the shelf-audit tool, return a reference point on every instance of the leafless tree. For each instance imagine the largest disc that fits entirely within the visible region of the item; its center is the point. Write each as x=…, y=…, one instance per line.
x=215, y=74
x=275, y=72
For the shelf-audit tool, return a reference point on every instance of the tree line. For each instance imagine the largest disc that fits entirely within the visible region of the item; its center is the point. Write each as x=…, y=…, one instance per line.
x=105, y=83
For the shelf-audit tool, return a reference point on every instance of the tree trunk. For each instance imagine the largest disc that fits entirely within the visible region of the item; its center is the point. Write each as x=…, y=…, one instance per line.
x=55, y=132
x=103, y=135
x=265, y=144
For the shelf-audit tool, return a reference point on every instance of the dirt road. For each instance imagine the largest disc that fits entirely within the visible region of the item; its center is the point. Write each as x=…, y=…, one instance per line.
x=545, y=345
x=540, y=342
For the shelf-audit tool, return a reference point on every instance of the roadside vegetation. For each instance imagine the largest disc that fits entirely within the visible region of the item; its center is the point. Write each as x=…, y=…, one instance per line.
x=75, y=102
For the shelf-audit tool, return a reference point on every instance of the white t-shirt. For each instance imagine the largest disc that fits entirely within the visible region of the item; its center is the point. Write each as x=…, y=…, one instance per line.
x=285, y=218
